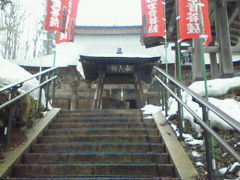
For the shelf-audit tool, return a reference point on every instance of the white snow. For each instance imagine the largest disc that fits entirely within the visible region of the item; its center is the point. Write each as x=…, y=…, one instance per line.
x=80, y=69
x=233, y=166
x=11, y=73
x=223, y=170
x=216, y=87
x=187, y=137
x=195, y=142
x=150, y=109
x=238, y=144
x=230, y=169
x=199, y=164
x=196, y=154
x=174, y=127
x=148, y=117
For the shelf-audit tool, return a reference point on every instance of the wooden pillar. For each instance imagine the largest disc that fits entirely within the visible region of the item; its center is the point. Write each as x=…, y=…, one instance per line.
x=74, y=97
x=95, y=97
x=137, y=95
x=139, y=89
x=99, y=90
x=223, y=37
x=197, y=74
x=214, y=65
x=73, y=102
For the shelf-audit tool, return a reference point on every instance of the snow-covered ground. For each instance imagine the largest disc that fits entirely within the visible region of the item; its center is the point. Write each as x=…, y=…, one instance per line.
x=11, y=73
x=217, y=87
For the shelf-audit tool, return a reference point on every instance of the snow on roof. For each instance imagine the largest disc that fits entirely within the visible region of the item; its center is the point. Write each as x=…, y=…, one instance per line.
x=11, y=73
x=66, y=54
x=44, y=61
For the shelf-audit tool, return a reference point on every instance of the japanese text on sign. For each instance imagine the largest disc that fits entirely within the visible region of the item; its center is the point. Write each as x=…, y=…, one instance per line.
x=193, y=17
x=153, y=19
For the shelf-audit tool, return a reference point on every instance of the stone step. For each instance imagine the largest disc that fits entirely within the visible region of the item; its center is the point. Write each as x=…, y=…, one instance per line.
x=101, y=125
x=71, y=158
x=95, y=178
x=29, y=170
x=92, y=114
x=92, y=131
x=98, y=147
x=99, y=138
x=101, y=119
x=111, y=111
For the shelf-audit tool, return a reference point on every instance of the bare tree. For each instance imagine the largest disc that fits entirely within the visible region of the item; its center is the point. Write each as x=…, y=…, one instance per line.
x=49, y=42
x=3, y=3
x=38, y=33
x=11, y=33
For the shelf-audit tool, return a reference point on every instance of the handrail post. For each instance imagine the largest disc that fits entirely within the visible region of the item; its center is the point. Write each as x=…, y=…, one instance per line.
x=52, y=89
x=47, y=93
x=207, y=138
x=39, y=97
x=166, y=97
x=158, y=96
x=180, y=114
x=8, y=128
x=162, y=95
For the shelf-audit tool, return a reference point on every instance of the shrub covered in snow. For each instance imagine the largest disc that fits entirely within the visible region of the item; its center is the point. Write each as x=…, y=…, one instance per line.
x=25, y=108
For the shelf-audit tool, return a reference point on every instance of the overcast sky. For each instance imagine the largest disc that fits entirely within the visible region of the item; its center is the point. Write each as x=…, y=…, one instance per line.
x=109, y=12
x=98, y=12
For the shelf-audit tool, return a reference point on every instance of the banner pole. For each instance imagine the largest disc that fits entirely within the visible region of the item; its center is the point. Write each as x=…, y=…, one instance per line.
x=165, y=38
x=179, y=78
x=166, y=55
x=213, y=163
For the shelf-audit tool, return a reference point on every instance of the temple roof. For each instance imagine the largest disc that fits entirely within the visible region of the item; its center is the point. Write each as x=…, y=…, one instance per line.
x=118, y=69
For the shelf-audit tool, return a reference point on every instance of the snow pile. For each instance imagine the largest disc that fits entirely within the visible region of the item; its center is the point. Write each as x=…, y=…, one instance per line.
x=216, y=88
x=80, y=69
x=151, y=109
x=230, y=169
x=12, y=73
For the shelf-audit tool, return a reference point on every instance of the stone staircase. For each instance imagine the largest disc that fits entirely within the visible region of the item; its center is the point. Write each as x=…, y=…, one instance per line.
x=97, y=145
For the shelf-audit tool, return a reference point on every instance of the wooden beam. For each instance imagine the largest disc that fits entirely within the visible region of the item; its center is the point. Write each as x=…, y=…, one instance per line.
x=215, y=49
x=236, y=22
x=234, y=14
x=225, y=1
x=235, y=29
x=223, y=37
x=211, y=13
x=197, y=74
x=214, y=65
x=172, y=21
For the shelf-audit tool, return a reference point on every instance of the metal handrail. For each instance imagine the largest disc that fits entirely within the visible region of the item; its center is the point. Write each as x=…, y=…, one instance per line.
x=203, y=122
x=26, y=93
x=27, y=79
x=234, y=123
x=13, y=98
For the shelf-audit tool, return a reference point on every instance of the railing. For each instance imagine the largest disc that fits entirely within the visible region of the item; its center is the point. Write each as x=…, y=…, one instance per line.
x=14, y=98
x=174, y=88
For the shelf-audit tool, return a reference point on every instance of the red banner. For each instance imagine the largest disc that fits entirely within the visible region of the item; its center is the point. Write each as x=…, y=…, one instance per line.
x=69, y=14
x=153, y=13
x=52, y=19
x=189, y=20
